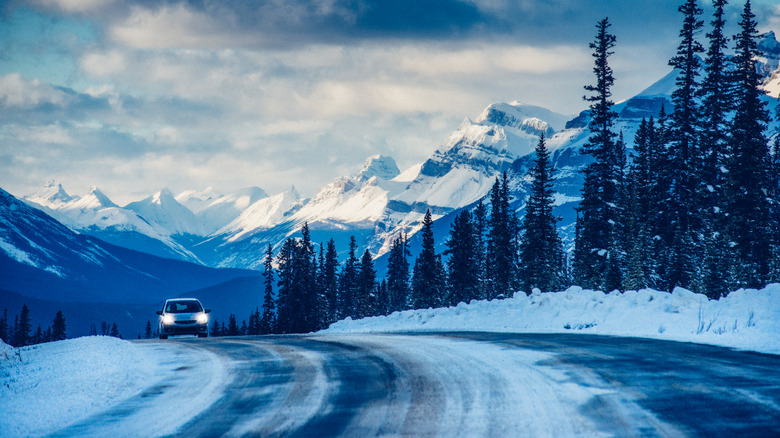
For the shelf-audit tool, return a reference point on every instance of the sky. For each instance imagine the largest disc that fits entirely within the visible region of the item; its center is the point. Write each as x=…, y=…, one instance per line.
x=133, y=96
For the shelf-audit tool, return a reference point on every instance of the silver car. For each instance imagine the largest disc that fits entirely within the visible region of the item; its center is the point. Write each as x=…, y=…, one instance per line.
x=183, y=316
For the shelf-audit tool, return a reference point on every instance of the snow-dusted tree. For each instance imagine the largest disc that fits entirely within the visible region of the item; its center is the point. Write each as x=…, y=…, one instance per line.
x=597, y=237
x=541, y=251
x=462, y=264
x=428, y=278
x=682, y=217
x=748, y=188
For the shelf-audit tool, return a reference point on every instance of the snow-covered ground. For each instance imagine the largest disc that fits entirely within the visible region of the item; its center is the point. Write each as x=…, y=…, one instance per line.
x=745, y=319
x=46, y=387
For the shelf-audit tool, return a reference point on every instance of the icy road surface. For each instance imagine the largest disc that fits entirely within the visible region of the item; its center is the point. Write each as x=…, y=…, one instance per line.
x=454, y=384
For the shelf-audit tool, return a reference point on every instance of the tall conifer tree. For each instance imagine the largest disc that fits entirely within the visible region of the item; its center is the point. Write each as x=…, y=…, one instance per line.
x=541, y=250
x=428, y=280
x=398, y=275
x=462, y=264
x=748, y=187
x=267, y=323
x=596, y=240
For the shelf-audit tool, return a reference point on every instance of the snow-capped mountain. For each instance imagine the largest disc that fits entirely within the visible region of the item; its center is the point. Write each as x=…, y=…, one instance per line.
x=96, y=215
x=377, y=202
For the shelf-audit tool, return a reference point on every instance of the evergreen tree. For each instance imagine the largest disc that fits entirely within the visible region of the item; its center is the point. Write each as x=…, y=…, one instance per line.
x=541, y=250
x=366, y=298
x=681, y=218
x=305, y=284
x=383, y=299
x=502, y=252
x=232, y=328
x=349, y=282
x=462, y=266
x=267, y=323
x=748, y=188
x=716, y=97
x=330, y=284
x=148, y=331
x=216, y=331
x=480, y=233
x=22, y=328
x=58, y=327
x=398, y=275
x=4, y=335
x=115, y=331
x=244, y=328
x=285, y=295
x=428, y=278
x=597, y=249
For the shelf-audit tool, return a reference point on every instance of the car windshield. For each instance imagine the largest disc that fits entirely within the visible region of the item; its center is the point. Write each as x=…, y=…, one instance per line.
x=183, y=307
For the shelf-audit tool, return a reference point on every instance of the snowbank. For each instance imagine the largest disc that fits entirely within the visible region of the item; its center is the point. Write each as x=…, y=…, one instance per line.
x=46, y=387
x=745, y=319
x=50, y=385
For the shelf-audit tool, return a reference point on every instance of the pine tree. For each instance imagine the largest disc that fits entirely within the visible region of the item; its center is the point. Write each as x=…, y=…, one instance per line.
x=541, y=250
x=428, y=278
x=348, y=283
x=398, y=275
x=330, y=284
x=716, y=96
x=4, y=335
x=115, y=331
x=232, y=328
x=58, y=327
x=597, y=249
x=285, y=294
x=305, y=284
x=148, y=331
x=216, y=331
x=366, y=298
x=22, y=328
x=502, y=252
x=748, y=187
x=267, y=323
x=682, y=218
x=480, y=233
x=462, y=266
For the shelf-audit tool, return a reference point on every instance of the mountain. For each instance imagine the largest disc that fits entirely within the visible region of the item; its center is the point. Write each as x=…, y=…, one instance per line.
x=42, y=259
x=377, y=202
x=96, y=215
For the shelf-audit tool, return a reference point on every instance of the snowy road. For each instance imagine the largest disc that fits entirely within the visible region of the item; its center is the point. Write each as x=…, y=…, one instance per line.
x=462, y=384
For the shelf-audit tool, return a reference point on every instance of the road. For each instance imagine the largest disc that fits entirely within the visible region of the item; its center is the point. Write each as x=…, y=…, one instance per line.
x=454, y=384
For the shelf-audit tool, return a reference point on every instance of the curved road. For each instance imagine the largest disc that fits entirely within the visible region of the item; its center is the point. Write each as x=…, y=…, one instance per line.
x=459, y=384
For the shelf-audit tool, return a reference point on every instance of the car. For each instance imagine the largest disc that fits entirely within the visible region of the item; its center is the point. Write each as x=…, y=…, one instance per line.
x=183, y=316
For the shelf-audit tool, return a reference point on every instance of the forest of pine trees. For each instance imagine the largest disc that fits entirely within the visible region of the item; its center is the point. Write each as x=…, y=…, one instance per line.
x=694, y=205
x=21, y=333
x=694, y=208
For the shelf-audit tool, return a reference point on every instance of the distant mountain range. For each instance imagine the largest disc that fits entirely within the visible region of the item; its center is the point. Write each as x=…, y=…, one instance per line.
x=67, y=256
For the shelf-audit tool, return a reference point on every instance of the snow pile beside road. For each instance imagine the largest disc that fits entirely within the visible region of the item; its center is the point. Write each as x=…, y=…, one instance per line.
x=47, y=386
x=746, y=319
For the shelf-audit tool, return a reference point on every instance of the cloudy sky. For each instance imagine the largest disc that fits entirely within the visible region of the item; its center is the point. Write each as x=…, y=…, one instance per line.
x=136, y=95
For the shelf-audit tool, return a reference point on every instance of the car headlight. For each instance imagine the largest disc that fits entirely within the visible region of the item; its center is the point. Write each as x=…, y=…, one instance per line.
x=167, y=319
x=202, y=318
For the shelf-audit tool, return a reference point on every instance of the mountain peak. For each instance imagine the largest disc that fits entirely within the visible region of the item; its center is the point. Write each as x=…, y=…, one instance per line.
x=380, y=166
x=51, y=193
